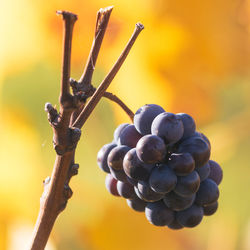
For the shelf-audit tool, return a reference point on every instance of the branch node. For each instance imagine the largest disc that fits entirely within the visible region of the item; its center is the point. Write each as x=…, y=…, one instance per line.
x=67, y=191
x=53, y=115
x=60, y=150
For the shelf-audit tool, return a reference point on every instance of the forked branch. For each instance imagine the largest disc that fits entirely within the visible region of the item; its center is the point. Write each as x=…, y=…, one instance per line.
x=67, y=132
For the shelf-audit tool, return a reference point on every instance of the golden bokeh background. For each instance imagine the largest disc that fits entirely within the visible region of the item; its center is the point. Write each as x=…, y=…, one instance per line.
x=192, y=57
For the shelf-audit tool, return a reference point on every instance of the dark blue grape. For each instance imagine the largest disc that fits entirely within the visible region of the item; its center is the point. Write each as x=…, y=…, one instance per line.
x=178, y=203
x=119, y=174
x=132, y=181
x=129, y=136
x=204, y=138
x=190, y=217
x=118, y=131
x=134, y=168
x=168, y=126
x=144, y=116
x=182, y=164
x=210, y=209
x=103, y=155
x=203, y=171
x=216, y=173
x=175, y=225
x=162, y=179
x=158, y=214
x=198, y=148
x=137, y=204
x=187, y=185
x=126, y=190
x=151, y=149
x=146, y=193
x=116, y=155
x=111, y=185
x=188, y=123
x=208, y=193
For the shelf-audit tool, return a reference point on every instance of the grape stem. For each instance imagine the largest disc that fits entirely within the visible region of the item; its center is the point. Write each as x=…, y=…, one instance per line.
x=67, y=123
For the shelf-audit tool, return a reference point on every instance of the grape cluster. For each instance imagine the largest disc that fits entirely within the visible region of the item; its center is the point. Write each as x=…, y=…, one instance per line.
x=160, y=165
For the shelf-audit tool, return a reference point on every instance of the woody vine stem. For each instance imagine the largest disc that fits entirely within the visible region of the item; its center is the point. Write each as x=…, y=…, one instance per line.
x=67, y=123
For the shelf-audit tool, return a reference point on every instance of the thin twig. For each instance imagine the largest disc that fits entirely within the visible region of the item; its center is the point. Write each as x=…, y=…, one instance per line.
x=101, y=25
x=108, y=79
x=84, y=83
x=117, y=100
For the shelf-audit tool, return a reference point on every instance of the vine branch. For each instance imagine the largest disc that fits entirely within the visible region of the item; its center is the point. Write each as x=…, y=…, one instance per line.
x=81, y=119
x=66, y=132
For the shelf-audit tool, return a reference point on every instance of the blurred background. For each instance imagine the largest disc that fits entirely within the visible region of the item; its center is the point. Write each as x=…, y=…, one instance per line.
x=192, y=57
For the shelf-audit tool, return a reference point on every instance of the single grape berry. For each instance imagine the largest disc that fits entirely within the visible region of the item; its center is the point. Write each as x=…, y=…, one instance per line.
x=216, y=173
x=118, y=131
x=126, y=190
x=151, y=149
x=175, y=225
x=103, y=155
x=162, y=179
x=182, y=163
x=129, y=136
x=203, y=171
x=134, y=168
x=137, y=204
x=158, y=214
x=144, y=116
x=111, y=185
x=118, y=174
x=188, y=124
x=187, y=185
x=178, y=203
x=168, y=126
x=190, y=217
x=116, y=155
x=198, y=148
x=208, y=193
x=210, y=209
x=146, y=193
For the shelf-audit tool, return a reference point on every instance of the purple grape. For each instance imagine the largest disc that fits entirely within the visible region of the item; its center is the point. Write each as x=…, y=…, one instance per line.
x=134, y=168
x=137, y=204
x=132, y=181
x=168, y=126
x=126, y=190
x=144, y=117
x=129, y=136
x=190, y=217
x=182, y=164
x=146, y=193
x=118, y=131
x=116, y=155
x=138, y=194
x=175, y=225
x=103, y=155
x=119, y=174
x=151, y=149
x=162, y=179
x=208, y=193
x=210, y=209
x=178, y=203
x=216, y=173
x=204, y=138
x=188, y=123
x=111, y=185
x=158, y=214
x=203, y=171
x=198, y=148
x=187, y=185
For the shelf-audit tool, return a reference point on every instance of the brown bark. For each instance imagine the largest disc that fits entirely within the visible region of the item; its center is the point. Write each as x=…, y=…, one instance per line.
x=66, y=130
